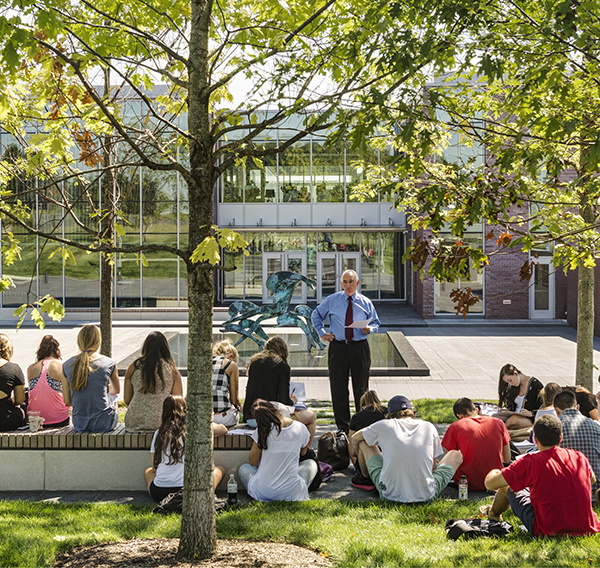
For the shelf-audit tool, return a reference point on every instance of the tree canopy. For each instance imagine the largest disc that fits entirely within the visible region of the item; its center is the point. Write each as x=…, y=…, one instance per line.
x=209, y=81
x=525, y=94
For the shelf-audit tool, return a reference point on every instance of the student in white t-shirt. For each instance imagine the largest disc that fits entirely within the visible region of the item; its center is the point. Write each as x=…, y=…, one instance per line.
x=405, y=469
x=274, y=472
x=167, y=451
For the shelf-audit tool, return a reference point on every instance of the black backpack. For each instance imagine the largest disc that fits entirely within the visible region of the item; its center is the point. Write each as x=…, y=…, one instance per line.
x=473, y=528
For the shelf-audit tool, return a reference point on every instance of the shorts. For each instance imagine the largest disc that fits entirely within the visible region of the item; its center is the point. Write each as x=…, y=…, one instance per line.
x=520, y=503
x=442, y=474
x=159, y=493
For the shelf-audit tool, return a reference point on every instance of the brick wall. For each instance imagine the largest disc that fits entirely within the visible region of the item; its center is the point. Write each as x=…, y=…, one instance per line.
x=502, y=284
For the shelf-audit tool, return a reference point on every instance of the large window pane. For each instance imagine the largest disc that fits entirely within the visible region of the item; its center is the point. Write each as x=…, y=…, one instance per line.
x=356, y=171
x=339, y=242
x=369, y=277
x=160, y=277
x=233, y=280
x=443, y=303
x=261, y=177
x=328, y=173
x=253, y=264
x=294, y=172
x=22, y=271
x=391, y=274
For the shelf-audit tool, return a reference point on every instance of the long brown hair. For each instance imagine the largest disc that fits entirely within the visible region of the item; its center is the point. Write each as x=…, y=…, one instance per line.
x=88, y=341
x=155, y=352
x=506, y=392
x=170, y=439
x=275, y=348
x=265, y=414
x=49, y=347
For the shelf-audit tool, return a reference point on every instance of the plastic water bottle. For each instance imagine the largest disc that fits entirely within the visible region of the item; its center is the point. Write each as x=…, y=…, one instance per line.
x=232, y=490
x=463, y=488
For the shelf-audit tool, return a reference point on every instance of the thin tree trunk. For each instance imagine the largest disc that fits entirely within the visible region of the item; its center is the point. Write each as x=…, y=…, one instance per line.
x=107, y=232
x=198, y=530
x=585, y=315
x=106, y=293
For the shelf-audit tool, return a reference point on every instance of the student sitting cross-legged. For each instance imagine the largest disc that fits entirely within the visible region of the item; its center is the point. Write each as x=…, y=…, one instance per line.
x=483, y=441
x=405, y=469
x=549, y=491
x=275, y=472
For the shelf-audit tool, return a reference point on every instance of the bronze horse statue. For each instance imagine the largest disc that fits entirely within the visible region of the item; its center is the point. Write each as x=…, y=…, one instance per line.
x=282, y=286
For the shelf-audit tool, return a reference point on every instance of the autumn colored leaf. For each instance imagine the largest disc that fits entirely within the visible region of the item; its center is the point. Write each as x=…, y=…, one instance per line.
x=504, y=239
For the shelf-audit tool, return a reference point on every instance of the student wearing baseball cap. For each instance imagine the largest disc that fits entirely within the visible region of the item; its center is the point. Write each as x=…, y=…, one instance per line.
x=400, y=455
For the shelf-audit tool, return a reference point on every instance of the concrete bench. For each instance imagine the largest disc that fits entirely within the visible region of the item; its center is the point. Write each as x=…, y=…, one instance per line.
x=65, y=460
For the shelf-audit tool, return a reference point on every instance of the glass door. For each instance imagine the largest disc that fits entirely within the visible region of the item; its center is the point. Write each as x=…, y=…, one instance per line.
x=330, y=267
x=541, y=290
x=281, y=261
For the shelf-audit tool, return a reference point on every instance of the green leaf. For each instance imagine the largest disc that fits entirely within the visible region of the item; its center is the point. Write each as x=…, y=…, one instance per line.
x=207, y=251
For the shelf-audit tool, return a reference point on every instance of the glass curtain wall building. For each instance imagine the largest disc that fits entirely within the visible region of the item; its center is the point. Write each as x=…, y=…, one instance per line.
x=296, y=210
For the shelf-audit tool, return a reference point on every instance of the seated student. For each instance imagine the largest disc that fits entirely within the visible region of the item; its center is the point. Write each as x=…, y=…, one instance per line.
x=549, y=491
x=168, y=448
x=518, y=399
x=579, y=432
x=371, y=411
x=275, y=472
x=588, y=405
x=49, y=392
x=94, y=382
x=148, y=381
x=12, y=389
x=269, y=379
x=483, y=440
x=226, y=397
x=405, y=469
x=547, y=394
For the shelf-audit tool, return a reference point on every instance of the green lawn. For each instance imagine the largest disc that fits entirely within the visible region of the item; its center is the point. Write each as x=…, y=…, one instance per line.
x=350, y=533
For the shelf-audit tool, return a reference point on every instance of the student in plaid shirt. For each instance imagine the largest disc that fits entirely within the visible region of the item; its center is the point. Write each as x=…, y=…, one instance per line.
x=579, y=433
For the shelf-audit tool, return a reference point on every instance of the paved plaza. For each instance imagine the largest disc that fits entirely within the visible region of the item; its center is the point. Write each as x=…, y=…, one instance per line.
x=464, y=359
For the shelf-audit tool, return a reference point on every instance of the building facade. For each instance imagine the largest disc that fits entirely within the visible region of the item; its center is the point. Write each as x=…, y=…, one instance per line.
x=297, y=211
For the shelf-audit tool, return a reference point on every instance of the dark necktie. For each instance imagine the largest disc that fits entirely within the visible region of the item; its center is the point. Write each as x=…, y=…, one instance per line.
x=349, y=320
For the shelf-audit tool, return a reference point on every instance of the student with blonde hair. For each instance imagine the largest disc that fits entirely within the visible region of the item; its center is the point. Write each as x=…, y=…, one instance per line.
x=94, y=381
x=226, y=397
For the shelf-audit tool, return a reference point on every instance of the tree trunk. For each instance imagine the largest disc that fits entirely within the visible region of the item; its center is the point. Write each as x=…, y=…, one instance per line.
x=107, y=234
x=106, y=293
x=198, y=529
x=585, y=315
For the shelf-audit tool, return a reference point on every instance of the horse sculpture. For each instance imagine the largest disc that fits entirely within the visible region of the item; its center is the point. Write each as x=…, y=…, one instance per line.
x=281, y=285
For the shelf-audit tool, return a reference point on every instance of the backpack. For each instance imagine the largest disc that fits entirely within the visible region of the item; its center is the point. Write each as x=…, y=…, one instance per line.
x=473, y=528
x=172, y=503
x=333, y=449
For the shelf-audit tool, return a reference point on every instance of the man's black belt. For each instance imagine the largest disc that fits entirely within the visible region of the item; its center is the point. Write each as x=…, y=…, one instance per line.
x=348, y=341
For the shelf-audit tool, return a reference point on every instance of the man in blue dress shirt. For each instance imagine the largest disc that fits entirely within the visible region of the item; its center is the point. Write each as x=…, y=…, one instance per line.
x=349, y=351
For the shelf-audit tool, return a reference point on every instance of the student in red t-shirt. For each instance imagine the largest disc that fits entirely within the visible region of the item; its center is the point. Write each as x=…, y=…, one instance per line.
x=549, y=491
x=483, y=441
